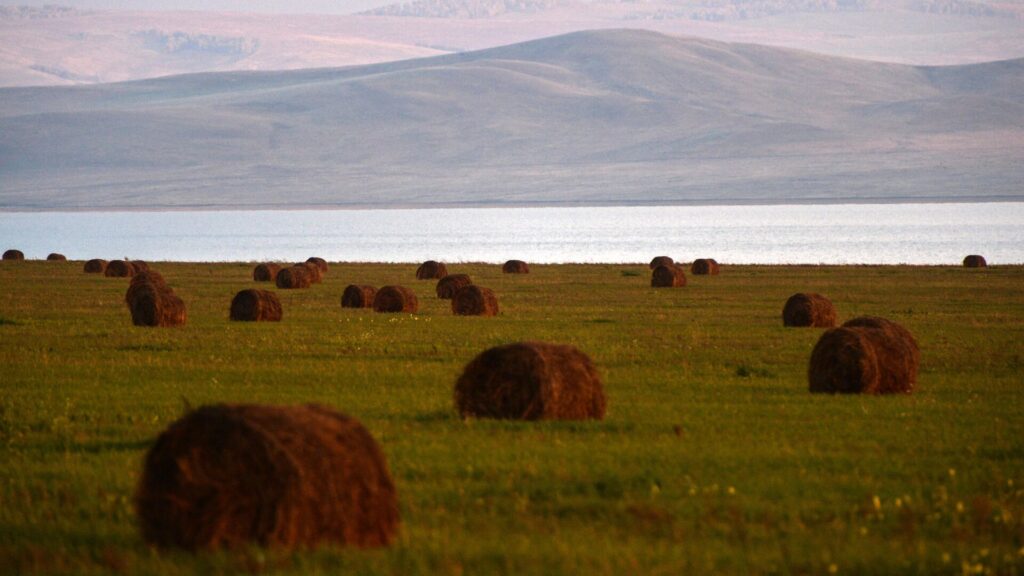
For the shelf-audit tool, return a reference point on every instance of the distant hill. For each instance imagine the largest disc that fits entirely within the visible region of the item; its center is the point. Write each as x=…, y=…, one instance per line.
x=606, y=117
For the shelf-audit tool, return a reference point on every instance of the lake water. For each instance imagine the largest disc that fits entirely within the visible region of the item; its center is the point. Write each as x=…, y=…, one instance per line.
x=832, y=234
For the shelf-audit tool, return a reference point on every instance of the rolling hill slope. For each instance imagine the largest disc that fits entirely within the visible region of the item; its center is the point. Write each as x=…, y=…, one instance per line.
x=610, y=117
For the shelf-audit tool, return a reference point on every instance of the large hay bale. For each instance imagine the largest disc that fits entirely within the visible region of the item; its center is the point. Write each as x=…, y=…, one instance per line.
x=119, y=269
x=358, y=296
x=864, y=356
x=431, y=270
x=139, y=266
x=14, y=255
x=449, y=285
x=315, y=275
x=294, y=277
x=55, y=257
x=531, y=381
x=668, y=277
x=265, y=272
x=154, y=304
x=975, y=261
x=809, y=309
x=395, y=299
x=140, y=280
x=474, y=300
x=662, y=261
x=515, y=267
x=227, y=475
x=704, y=267
x=95, y=266
x=320, y=263
x=255, y=306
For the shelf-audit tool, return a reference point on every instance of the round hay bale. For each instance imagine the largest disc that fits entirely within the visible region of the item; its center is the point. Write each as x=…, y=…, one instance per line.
x=515, y=267
x=293, y=277
x=975, y=261
x=431, y=270
x=142, y=279
x=358, y=296
x=449, y=285
x=662, y=261
x=320, y=263
x=156, y=306
x=395, y=299
x=265, y=272
x=704, y=267
x=281, y=477
x=55, y=257
x=14, y=255
x=315, y=275
x=531, y=381
x=668, y=277
x=474, y=300
x=809, y=309
x=255, y=306
x=868, y=357
x=95, y=266
x=139, y=266
x=119, y=269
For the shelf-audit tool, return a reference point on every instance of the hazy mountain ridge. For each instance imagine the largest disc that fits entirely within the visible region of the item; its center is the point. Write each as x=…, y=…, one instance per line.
x=465, y=8
x=592, y=118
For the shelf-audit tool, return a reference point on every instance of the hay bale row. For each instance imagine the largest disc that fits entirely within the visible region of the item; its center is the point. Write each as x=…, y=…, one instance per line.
x=254, y=305
x=294, y=277
x=358, y=296
x=867, y=355
x=531, y=381
x=975, y=261
x=152, y=302
x=449, y=285
x=320, y=263
x=473, y=300
x=95, y=266
x=55, y=257
x=668, y=277
x=515, y=267
x=809, y=309
x=661, y=261
x=227, y=475
x=431, y=270
x=120, y=269
x=316, y=275
x=704, y=267
x=395, y=299
x=265, y=272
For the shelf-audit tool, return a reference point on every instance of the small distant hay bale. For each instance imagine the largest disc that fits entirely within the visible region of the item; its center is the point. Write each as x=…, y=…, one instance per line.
x=395, y=299
x=531, y=381
x=319, y=262
x=119, y=269
x=358, y=296
x=662, y=261
x=449, y=285
x=668, y=277
x=153, y=303
x=315, y=275
x=809, y=309
x=55, y=257
x=475, y=300
x=283, y=477
x=515, y=267
x=704, y=267
x=294, y=277
x=975, y=261
x=139, y=266
x=14, y=255
x=864, y=356
x=265, y=272
x=254, y=305
x=431, y=270
x=95, y=266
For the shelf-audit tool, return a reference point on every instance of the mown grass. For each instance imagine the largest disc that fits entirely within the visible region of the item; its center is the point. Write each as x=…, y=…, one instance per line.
x=713, y=458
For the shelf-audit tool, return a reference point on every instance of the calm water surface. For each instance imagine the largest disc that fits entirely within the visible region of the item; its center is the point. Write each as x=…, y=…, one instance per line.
x=833, y=234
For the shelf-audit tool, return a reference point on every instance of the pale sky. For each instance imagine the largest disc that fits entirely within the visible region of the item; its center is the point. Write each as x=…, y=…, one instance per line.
x=271, y=6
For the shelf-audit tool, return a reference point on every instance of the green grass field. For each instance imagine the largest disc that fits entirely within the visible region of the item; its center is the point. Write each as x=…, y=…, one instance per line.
x=714, y=458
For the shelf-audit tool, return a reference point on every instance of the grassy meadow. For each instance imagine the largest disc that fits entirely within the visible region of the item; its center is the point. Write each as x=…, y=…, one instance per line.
x=713, y=458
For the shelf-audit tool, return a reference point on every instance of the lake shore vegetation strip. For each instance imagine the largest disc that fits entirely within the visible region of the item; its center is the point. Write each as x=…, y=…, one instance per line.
x=713, y=457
